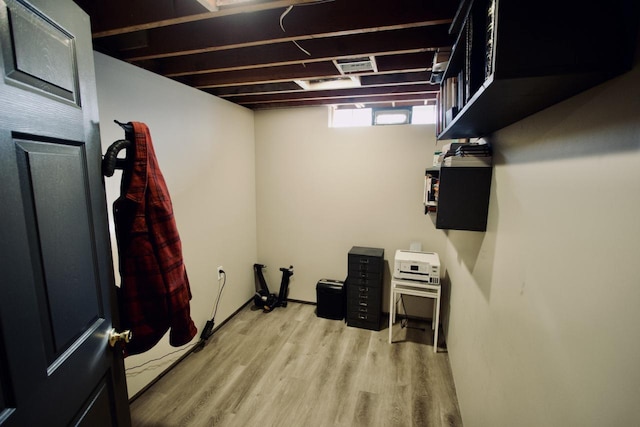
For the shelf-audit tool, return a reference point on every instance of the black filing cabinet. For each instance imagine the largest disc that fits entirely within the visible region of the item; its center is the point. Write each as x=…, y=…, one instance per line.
x=364, y=287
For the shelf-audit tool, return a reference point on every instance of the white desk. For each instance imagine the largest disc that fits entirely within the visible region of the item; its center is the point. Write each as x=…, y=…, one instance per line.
x=418, y=289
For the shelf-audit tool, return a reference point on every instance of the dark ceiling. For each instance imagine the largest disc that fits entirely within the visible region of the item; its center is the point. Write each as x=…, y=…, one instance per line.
x=253, y=52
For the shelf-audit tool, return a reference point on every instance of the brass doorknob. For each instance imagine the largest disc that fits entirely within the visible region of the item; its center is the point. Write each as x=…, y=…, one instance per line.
x=114, y=336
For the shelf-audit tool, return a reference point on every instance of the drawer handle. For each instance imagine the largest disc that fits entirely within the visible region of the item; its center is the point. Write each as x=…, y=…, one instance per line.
x=363, y=310
x=362, y=289
x=364, y=261
x=364, y=296
x=362, y=316
x=363, y=304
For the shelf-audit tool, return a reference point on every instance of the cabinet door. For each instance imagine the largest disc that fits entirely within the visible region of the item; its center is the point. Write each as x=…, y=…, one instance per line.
x=463, y=198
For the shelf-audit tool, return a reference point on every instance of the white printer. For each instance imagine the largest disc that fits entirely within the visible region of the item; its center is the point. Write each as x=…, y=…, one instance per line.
x=422, y=266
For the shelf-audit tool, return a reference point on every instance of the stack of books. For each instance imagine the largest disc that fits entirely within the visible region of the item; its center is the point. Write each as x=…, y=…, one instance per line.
x=469, y=155
x=490, y=39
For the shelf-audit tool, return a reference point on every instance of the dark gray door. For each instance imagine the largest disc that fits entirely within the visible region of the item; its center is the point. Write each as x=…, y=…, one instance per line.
x=56, y=275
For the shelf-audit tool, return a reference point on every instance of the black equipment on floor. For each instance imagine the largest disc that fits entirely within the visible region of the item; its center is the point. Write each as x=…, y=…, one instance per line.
x=265, y=299
x=331, y=299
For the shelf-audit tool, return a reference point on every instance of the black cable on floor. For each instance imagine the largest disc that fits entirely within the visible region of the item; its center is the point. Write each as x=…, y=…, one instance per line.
x=404, y=322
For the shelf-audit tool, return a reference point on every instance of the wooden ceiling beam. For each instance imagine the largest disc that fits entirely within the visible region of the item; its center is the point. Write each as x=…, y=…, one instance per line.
x=302, y=23
x=285, y=73
x=148, y=14
x=254, y=89
x=419, y=89
x=245, y=53
x=418, y=61
x=315, y=71
x=396, y=79
x=405, y=41
x=417, y=98
x=194, y=47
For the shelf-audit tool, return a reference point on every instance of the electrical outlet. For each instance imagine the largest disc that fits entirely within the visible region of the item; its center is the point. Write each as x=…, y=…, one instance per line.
x=220, y=272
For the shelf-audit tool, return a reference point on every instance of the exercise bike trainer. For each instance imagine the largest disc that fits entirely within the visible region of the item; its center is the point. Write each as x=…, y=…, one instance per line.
x=265, y=299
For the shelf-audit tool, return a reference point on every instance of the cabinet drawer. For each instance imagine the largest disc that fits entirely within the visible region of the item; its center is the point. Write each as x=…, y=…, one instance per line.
x=369, y=264
x=363, y=315
x=355, y=291
x=365, y=277
x=364, y=304
x=363, y=321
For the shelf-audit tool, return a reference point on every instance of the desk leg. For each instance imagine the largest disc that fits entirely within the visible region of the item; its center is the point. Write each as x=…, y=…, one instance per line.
x=391, y=313
x=437, y=323
x=434, y=314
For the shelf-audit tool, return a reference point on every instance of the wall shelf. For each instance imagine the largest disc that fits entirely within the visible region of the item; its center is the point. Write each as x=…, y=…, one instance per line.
x=512, y=59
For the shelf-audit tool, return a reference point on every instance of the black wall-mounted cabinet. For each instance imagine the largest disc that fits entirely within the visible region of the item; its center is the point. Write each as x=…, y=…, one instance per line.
x=463, y=197
x=513, y=58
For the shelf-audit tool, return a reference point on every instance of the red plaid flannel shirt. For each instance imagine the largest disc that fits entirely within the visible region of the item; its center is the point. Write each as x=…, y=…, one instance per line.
x=154, y=293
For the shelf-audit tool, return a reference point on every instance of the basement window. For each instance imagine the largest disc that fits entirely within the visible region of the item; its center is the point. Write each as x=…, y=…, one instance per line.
x=423, y=115
x=349, y=117
x=358, y=117
x=391, y=116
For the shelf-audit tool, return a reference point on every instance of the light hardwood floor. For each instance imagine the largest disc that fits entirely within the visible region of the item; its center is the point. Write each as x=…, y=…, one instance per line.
x=291, y=368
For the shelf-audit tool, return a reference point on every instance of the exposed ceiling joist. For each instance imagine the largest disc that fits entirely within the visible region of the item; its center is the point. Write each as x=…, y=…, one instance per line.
x=166, y=14
x=260, y=48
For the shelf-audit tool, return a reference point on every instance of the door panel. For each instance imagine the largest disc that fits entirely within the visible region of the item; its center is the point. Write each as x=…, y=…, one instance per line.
x=98, y=410
x=52, y=174
x=56, y=277
x=6, y=401
x=37, y=52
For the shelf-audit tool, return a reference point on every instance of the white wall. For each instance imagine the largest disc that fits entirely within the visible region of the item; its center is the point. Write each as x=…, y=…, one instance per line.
x=205, y=148
x=545, y=305
x=322, y=190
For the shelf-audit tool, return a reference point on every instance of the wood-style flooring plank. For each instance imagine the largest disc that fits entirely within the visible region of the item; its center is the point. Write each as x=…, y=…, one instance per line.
x=289, y=367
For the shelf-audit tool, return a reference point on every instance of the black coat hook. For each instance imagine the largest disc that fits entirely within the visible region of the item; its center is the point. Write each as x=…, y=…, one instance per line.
x=127, y=127
x=111, y=162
